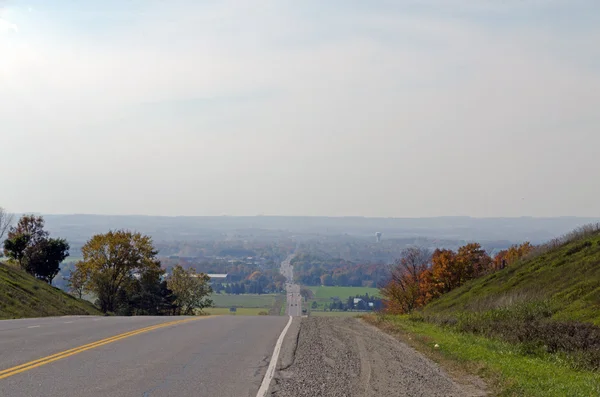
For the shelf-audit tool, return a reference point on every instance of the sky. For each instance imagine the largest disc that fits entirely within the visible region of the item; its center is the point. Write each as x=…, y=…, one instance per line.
x=399, y=108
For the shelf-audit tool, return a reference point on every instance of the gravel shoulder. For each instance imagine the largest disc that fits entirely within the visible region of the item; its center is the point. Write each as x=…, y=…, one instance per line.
x=334, y=357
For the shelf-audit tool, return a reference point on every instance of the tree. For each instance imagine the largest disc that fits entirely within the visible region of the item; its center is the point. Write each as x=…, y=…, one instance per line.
x=6, y=220
x=15, y=247
x=32, y=248
x=191, y=289
x=314, y=305
x=405, y=290
x=76, y=282
x=46, y=257
x=111, y=261
x=326, y=280
x=471, y=261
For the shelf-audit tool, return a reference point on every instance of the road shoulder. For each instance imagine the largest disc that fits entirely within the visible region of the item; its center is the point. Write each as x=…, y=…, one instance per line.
x=345, y=356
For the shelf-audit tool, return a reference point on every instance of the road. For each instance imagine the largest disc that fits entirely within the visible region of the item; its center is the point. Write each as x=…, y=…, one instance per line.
x=198, y=356
x=294, y=299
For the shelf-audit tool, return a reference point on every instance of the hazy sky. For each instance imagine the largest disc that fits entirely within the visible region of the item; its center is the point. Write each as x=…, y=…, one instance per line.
x=312, y=107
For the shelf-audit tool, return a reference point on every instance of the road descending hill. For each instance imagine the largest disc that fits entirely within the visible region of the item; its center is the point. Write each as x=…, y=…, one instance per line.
x=22, y=295
x=565, y=275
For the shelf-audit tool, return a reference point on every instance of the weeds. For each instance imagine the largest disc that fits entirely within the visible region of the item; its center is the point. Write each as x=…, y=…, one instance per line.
x=529, y=325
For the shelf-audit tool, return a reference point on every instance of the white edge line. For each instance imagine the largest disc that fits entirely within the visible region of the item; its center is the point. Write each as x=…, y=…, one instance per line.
x=34, y=326
x=264, y=387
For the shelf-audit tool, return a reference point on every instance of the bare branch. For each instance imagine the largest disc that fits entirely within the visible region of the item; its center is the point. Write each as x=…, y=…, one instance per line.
x=6, y=220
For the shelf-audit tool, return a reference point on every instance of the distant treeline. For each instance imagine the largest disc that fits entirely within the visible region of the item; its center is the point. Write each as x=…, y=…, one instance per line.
x=313, y=270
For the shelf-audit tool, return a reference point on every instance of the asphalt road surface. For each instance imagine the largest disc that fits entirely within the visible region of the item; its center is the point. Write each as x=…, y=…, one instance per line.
x=197, y=356
x=294, y=299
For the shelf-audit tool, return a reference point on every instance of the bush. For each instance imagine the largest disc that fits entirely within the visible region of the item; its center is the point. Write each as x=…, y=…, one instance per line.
x=578, y=247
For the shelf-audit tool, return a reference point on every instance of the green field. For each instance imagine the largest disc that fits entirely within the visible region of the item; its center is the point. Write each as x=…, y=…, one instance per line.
x=243, y=300
x=242, y=311
x=22, y=295
x=323, y=295
x=341, y=292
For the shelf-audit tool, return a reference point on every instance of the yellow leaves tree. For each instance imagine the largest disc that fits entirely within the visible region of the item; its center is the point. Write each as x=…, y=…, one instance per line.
x=191, y=290
x=111, y=261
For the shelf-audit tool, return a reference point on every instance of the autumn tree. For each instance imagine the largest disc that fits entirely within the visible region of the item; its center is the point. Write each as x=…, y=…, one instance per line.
x=510, y=256
x=32, y=248
x=191, y=290
x=405, y=291
x=112, y=261
x=471, y=261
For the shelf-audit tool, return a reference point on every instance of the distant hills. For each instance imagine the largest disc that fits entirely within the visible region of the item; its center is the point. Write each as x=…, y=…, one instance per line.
x=78, y=228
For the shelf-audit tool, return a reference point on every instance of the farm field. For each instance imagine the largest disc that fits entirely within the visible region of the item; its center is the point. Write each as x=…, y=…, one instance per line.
x=322, y=295
x=243, y=300
x=342, y=292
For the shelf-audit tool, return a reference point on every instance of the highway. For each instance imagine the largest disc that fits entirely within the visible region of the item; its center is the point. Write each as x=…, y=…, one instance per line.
x=144, y=357
x=294, y=299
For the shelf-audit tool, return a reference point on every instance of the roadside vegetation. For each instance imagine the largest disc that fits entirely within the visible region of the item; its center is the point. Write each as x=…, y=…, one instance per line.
x=22, y=295
x=530, y=323
x=508, y=370
x=30, y=247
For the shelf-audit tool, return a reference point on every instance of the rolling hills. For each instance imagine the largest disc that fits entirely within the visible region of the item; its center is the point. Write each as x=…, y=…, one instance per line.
x=22, y=295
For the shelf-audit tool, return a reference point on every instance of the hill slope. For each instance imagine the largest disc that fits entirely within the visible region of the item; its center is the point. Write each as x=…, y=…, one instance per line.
x=567, y=277
x=22, y=295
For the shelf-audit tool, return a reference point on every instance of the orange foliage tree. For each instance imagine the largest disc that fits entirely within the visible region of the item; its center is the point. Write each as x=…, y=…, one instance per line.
x=510, y=256
x=403, y=293
x=419, y=277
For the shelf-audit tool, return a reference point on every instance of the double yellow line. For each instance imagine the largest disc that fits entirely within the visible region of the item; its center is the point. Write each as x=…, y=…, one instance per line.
x=76, y=350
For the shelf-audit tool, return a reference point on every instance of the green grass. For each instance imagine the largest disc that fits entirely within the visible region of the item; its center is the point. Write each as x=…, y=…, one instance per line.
x=21, y=295
x=242, y=311
x=341, y=292
x=244, y=300
x=506, y=369
x=567, y=276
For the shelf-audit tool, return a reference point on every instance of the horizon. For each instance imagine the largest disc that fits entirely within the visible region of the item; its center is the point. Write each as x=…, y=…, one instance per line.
x=311, y=216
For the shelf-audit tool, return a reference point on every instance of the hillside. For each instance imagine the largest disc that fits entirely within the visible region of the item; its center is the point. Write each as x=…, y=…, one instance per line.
x=566, y=278
x=21, y=295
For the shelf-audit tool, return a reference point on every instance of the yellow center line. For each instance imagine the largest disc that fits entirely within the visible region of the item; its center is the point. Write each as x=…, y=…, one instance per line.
x=71, y=352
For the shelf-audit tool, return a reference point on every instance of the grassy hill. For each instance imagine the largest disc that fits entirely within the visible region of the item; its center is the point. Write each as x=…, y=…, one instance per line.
x=22, y=295
x=563, y=279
